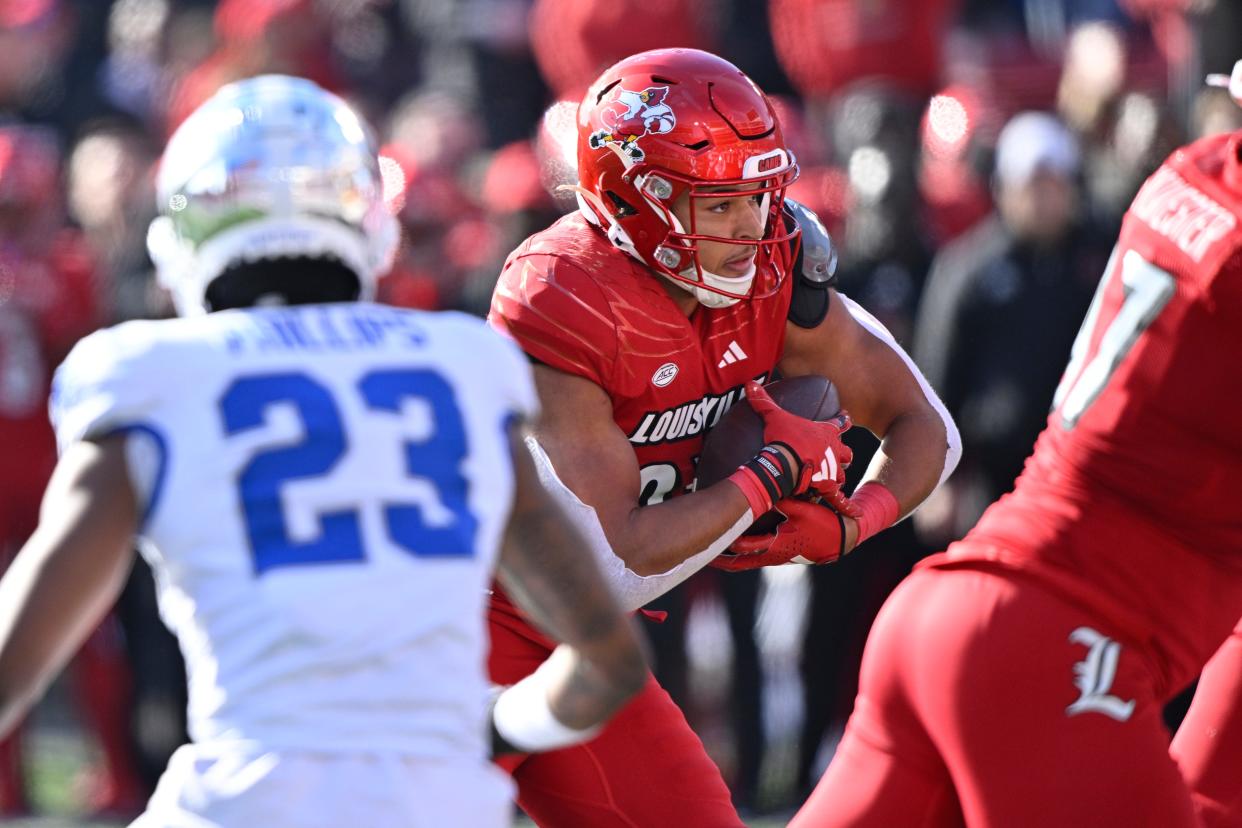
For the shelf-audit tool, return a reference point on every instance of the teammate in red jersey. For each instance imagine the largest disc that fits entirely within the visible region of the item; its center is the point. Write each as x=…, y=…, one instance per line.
x=684, y=275
x=1206, y=747
x=1018, y=678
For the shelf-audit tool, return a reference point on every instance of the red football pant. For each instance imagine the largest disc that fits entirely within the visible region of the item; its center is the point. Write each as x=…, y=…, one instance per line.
x=975, y=707
x=646, y=769
x=1208, y=745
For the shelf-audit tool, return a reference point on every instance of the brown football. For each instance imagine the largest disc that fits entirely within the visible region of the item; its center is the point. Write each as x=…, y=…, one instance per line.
x=739, y=434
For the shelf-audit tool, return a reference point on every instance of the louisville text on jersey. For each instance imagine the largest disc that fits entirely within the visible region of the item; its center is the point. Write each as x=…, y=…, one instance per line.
x=688, y=419
x=1184, y=215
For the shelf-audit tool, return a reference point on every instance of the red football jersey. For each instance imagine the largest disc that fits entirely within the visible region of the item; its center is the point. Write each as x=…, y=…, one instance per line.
x=1131, y=499
x=576, y=303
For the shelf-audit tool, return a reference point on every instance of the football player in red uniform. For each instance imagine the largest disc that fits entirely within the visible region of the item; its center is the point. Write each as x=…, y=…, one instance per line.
x=1206, y=747
x=1018, y=678
x=684, y=278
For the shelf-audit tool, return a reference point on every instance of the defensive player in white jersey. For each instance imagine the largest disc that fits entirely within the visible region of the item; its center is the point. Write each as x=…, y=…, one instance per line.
x=323, y=490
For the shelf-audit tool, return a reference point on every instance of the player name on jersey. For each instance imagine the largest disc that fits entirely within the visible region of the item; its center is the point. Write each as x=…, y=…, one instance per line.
x=1181, y=213
x=687, y=419
x=325, y=328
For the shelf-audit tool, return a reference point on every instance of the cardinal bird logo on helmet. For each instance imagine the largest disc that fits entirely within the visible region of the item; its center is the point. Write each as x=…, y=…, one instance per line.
x=631, y=116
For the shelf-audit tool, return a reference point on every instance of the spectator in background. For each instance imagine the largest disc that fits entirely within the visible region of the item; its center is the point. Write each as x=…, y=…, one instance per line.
x=134, y=73
x=109, y=196
x=575, y=40
x=1123, y=131
x=884, y=253
x=254, y=37
x=884, y=257
x=434, y=139
x=47, y=301
x=515, y=203
x=1215, y=113
x=824, y=46
x=958, y=134
x=1000, y=309
x=480, y=51
x=35, y=36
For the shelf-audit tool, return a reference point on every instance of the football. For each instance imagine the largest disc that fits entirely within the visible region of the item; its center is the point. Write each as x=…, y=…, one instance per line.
x=739, y=434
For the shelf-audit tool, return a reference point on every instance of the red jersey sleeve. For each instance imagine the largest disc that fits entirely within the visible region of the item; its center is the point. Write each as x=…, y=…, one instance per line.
x=558, y=315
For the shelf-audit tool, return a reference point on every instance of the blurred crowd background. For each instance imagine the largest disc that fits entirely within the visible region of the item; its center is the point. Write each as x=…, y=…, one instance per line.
x=972, y=159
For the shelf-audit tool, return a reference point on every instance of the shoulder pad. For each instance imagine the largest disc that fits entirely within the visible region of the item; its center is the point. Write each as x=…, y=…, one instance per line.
x=814, y=267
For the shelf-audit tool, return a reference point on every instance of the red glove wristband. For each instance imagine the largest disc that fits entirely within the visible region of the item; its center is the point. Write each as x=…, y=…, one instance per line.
x=879, y=509
x=754, y=491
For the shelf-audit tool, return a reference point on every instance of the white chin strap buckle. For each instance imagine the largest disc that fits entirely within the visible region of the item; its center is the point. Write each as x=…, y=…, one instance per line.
x=708, y=291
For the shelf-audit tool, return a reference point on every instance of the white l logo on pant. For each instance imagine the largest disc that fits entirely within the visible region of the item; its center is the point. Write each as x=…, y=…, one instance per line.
x=1093, y=676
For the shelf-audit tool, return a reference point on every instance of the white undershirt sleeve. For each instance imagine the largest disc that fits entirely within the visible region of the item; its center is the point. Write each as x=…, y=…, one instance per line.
x=631, y=589
x=953, y=448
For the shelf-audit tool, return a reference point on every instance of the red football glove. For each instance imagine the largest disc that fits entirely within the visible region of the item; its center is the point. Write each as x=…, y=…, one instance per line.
x=811, y=533
x=822, y=457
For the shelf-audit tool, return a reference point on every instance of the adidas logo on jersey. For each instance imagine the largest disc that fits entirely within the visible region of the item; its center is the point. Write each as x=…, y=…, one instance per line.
x=733, y=353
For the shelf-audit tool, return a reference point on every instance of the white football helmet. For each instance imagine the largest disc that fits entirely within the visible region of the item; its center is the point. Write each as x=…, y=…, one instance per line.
x=268, y=167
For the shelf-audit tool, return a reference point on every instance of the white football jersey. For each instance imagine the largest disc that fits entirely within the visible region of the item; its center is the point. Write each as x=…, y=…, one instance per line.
x=330, y=485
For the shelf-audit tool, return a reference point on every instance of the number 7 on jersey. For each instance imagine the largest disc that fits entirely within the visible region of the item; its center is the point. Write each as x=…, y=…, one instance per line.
x=1147, y=289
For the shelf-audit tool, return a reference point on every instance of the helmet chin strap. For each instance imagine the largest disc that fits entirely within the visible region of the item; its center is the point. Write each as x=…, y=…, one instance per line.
x=710, y=298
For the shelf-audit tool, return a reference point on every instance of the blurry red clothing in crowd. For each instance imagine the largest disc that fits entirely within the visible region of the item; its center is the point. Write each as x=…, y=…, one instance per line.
x=824, y=45
x=46, y=304
x=574, y=40
x=47, y=301
x=255, y=37
x=957, y=124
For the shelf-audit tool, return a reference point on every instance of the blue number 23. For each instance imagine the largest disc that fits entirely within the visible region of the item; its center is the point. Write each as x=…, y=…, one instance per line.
x=437, y=459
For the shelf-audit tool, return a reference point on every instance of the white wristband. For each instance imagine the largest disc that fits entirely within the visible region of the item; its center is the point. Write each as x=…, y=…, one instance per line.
x=522, y=717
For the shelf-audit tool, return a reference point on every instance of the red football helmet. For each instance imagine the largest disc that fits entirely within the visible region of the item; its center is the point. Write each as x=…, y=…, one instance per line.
x=668, y=121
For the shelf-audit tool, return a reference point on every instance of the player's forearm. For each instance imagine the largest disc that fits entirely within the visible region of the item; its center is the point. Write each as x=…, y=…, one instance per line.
x=582, y=695
x=911, y=459
x=655, y=539
x=48, y=606
x=68, y=574
x=545, y=569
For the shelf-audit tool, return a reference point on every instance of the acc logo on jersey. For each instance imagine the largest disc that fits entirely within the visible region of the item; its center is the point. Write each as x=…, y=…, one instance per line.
x=631, y=116
x=664, y=374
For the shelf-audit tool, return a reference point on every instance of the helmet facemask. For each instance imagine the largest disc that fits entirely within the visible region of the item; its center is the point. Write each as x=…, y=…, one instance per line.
x=678, y=258
x=675, y=125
